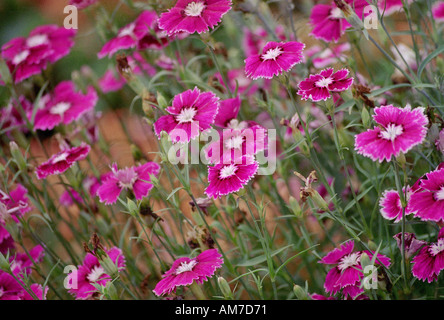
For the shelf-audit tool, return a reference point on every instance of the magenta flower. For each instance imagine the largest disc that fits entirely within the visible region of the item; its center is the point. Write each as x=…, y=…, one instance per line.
x=82, y=4
x=428, y=200
x=328, y=21
x=228, y=110
x=64, y=105
x=137, y=34
x=91, y=271
x=11, y=116
x=323, y=58
x=10, y=289
x=62, y=161
x=391, y=207
x=90, y=184
x=193, y=16
x=438, y=11
x=429, y=262
x=255, y=40
x=399, y=130
x=411, y=244
x=192, y=112
x=136, y=179
x=276, y=57
x=37, y=289
x=21, y=263
x=15, y=202
x=347, y=274
x=237, y=78
x=320, y=86
x=235, y=143
x=185, y=271
x=391, y=6
x=26, y=57
x=6, y=241
x=224, y=179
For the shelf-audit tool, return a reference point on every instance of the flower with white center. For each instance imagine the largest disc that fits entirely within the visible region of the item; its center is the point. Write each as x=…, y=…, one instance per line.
x=194, y=9
x=95, y=274
x=37, y=40
x=234, y=142
x=186, y=266
x=349, y=261
x=228, y=171
x=324, y=83
x=391, y=132
x=186, y=115
x=272, y=54
x=127, y=31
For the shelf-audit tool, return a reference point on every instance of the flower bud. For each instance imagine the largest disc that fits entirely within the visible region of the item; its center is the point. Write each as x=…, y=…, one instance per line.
x=300, y=293
x=4, y=263
x=5, y=75
x=295, y=207
x=132, y=208
x=225, y=288
x=17, y=156
x=111, y=291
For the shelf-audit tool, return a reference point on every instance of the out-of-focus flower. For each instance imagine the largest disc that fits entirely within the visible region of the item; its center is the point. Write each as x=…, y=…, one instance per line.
x=329, y=22
x=399, y=130
x=6, y=241
x=64, y=105
x=391, y=6
x=21, y=263
x=193, y=16
x=82, y=4
x=323, y=58
x=276, y=57
x=185, y=271
x=136, y=179
x=16, y=202
x=438, y=11
x=320, y=86
x=26, y=57
x=62, y=161
x=255, y=40
x=10, y=289
x=138, y=35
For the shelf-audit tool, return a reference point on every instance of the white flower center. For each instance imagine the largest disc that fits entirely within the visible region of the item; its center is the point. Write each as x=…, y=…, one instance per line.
x=437, y=247
x=186, y=266
x=349, y=261
x=440, y=194
x=272, y=54
x=227, y=171
x=194, y=9
x=37, y=40
x=95, y=274
x=60, y=157
x=186, y=115
x=60, y=108
x=392, y=131
x=234, y=142
x=20, y=57
x=324, y=83
x=336, y=13
x=127, y=31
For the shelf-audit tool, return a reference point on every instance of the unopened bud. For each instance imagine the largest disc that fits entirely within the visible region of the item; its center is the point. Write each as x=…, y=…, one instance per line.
x=161, y=101
x=225, y=288
x=4, y=263
x=295, y=207
x=365, y=261
x=365, y=116
x=111, y=291
x=132, y=208
x=17, y=156
x=136, y=152
x=300, y=293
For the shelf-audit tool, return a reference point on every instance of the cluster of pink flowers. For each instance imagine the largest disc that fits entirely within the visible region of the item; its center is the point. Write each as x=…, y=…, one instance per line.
x=13, y=284
x=26, y=57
